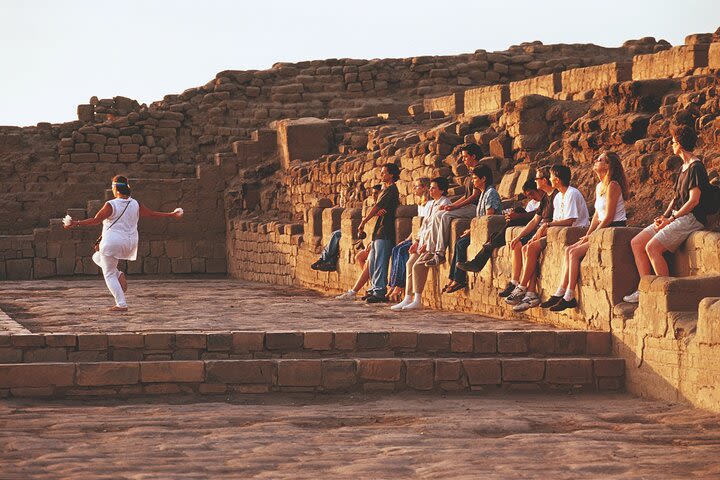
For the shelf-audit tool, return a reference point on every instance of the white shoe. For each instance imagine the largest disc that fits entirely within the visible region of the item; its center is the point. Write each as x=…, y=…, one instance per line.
x=633, y=297
x=349, y=295
x=401, y=305
x=526, y=303
x=413, y=306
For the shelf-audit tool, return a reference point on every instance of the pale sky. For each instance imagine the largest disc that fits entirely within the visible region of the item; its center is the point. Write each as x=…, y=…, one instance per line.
x=57, y=54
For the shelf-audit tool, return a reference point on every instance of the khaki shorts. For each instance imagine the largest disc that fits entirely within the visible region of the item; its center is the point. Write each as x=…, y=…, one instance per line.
x=676, y=232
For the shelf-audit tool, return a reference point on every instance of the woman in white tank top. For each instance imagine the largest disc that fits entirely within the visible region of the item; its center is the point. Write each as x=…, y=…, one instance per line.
x=610, y=196
x=119, y=218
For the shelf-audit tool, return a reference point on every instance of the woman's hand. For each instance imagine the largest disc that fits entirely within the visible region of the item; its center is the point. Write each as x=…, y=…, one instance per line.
x=447, y=208
x=465, y=233
x=661, y=222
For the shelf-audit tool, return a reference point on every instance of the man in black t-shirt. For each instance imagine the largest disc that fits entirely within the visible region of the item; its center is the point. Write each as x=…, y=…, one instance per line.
x=383, y=238
x=683, y=216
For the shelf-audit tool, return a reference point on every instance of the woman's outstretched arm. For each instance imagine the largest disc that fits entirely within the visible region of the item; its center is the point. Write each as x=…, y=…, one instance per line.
x=104, y=213
x=146, y=212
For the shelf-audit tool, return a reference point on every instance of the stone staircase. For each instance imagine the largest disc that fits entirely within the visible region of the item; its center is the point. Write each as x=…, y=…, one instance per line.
x=128, y=364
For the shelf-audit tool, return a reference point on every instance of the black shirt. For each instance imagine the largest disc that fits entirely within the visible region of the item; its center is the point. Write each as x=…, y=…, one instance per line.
x=385, y=225
x=694, y=177
x=469, y=189
x=545, y=209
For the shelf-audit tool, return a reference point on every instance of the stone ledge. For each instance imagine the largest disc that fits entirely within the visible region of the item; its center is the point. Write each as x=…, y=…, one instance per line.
x=38, y=347
x=312, y=375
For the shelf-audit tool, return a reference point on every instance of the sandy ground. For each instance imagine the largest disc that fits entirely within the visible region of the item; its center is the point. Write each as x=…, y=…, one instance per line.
x=395, y=436
x=214, y=304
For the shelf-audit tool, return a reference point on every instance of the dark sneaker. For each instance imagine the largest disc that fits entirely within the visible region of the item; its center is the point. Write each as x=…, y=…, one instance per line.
x=470, y=266
x=376, y=299
x=508, y=290
x=517, y=296
x=564, y=304
x=456, y=287
x=327, y=267
x=551, y=302
x=316, y=265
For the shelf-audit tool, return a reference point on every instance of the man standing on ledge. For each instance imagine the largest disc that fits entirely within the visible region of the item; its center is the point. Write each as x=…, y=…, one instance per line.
x=383, y=239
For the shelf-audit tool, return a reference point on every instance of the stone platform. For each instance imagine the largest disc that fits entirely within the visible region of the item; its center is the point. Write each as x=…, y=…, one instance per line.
x=215, y=336
x=214, y=304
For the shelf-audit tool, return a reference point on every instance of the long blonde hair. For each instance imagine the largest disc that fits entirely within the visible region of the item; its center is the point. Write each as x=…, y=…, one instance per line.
x=615, y=173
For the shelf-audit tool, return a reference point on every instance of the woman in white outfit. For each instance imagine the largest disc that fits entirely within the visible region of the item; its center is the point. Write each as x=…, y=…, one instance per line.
x=610, y=195
x=416, y=271
x=119, y=236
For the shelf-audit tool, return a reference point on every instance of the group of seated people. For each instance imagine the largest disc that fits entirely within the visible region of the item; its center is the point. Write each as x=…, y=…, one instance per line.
x=553, y=202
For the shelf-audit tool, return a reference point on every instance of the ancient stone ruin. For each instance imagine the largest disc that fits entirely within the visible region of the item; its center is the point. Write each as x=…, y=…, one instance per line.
x=266, y=165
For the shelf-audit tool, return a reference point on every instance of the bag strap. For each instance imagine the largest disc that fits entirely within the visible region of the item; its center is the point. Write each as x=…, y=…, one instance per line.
x=123, y=213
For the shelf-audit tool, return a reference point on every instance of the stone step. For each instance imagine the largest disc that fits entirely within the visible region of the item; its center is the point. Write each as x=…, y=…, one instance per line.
x=96, y=347
x=312, y=375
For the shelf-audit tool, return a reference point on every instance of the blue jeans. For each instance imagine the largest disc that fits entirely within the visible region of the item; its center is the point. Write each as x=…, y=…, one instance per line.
x=378, y=266
x=400, y=255
x=459, y=255
x=332, y=249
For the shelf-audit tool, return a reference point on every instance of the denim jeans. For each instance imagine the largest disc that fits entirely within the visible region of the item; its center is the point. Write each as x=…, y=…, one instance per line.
x=459, y=255
x=332, y=249
x=378, y=266
x=400, y=255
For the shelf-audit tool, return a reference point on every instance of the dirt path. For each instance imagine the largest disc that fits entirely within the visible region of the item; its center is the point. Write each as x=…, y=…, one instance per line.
x=396, y=436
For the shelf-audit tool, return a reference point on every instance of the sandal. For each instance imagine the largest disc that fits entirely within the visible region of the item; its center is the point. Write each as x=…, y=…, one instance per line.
x=447, y=287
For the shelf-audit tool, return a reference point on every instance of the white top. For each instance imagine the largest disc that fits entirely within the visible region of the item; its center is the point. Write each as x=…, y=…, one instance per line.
x=532, y=205
x=601, y=206
x=431, y=208
x=121, y=241
x=571, y=205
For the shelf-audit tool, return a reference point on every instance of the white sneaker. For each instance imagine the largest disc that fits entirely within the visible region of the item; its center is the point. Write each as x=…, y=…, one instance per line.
x=349, y=295
x=526, y=303
x=633, y=297
x=516, y=296
x=413, y=306
x=401, y=305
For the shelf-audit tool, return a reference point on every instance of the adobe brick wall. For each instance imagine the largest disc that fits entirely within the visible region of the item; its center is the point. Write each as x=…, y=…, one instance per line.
x=546, y=85
x=674, y=62
x=452, y=104
x=483, y=100
x=579, y=80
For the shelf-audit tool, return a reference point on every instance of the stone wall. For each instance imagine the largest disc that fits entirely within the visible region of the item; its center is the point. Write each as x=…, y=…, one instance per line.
x=591, y=78
x=665, y=357
x=479, y=101
x=449, y=104
x=675, y=62
x=546, y=85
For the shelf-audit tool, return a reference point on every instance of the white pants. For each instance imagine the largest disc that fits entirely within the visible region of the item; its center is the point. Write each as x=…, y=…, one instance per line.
x=112, y=275
x=439, y=232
